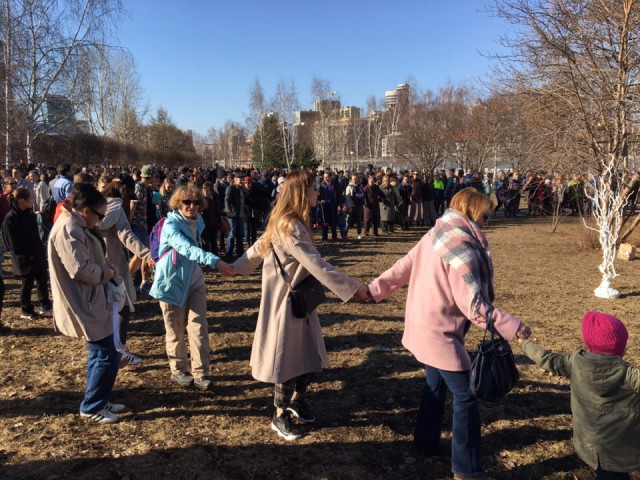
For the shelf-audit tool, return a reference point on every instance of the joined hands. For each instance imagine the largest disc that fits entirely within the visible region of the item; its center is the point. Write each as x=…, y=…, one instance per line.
x=227, y=270
x=363, y=294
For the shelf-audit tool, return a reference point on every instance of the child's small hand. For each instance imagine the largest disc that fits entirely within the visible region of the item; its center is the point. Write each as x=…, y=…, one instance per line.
x=523, y=332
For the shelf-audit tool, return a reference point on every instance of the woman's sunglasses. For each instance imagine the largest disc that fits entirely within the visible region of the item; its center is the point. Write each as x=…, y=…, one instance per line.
x=100, y=215
x=188, y=203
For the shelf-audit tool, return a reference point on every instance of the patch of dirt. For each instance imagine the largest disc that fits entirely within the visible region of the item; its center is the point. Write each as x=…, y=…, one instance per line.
x=365, y=402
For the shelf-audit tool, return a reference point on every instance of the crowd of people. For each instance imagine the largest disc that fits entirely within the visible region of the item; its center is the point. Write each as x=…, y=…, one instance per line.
x=99, y=237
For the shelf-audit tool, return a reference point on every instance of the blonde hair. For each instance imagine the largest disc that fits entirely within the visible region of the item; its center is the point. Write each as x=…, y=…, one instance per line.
x=181, y=193
x=470, y=203
x=292, y=206
x=163, y=188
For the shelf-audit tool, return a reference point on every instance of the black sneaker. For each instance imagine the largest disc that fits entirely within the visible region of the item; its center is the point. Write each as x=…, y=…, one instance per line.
x=284, y=427
x=28, y=315
x=301, y=411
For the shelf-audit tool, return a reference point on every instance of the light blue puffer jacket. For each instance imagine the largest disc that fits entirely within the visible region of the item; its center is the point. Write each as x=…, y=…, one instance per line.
x=173, y=271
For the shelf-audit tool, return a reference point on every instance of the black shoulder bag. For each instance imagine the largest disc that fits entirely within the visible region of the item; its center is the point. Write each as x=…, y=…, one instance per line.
x=306, y=296
x=493, y=370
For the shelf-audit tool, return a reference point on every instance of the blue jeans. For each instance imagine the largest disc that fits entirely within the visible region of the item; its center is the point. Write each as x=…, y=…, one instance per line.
x=236, y=235
x=465, y=443
x=102, y=369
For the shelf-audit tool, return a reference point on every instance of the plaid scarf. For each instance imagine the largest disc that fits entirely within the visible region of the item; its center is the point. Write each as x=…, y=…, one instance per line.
x=461, y=244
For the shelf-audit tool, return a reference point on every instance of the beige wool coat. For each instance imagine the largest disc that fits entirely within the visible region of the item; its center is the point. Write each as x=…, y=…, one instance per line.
x=285, y=347
x=77, y=281
x=116, y=230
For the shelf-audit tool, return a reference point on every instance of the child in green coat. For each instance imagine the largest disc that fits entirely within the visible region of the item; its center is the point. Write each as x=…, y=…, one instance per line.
x=605, y=396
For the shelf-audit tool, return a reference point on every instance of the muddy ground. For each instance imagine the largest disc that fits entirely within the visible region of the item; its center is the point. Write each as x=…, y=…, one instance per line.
x=365, y=402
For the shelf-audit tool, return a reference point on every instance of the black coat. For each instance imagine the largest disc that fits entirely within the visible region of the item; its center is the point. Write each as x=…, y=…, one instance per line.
x=20, y=236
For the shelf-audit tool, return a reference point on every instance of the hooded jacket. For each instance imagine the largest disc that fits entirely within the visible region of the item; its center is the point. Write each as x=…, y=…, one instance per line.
x=116, y=230
x=172, y=279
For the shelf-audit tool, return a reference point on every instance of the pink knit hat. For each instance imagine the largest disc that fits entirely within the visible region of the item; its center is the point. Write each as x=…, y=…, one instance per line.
x=604, y=334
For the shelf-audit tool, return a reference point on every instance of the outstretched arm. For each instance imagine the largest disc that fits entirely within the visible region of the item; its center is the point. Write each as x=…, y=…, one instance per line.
x=394, y=278
x=251, y=259
x=550, y=361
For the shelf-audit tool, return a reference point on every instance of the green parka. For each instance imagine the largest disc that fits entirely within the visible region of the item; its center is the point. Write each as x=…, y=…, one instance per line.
x=605, y=403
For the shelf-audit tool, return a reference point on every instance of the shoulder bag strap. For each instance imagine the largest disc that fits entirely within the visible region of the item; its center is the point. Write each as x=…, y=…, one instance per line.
x=490, y=326
x=282, y=272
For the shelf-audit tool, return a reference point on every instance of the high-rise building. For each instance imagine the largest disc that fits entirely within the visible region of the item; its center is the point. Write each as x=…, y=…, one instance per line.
x=398, y=96
x=57, y=109
x=326, y=106
x=350, y=113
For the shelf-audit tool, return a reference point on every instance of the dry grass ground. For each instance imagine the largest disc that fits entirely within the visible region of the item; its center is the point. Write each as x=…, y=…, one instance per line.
x=365, y=402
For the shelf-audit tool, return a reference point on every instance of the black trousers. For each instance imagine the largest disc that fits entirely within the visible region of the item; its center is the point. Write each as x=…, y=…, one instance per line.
x=125, y=315
x=606, y=475
x=43, y=291
x=284, y=391
x=2, y=290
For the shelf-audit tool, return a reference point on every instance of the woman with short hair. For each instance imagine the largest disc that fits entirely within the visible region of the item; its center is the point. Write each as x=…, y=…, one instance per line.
x=288, y=350
x=79, y=275
x=452, y=260
x=179, y=285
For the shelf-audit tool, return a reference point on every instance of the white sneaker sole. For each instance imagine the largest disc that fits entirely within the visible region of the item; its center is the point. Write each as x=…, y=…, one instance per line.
x=288, y=438
x=94, y=417
x=303, y=420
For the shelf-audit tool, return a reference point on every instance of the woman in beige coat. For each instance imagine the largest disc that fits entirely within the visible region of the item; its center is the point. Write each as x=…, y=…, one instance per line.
x=116, y=230
x=288, y=350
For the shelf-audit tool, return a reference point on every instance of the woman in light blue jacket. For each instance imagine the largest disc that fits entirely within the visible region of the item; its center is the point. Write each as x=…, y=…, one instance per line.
x=180, y=286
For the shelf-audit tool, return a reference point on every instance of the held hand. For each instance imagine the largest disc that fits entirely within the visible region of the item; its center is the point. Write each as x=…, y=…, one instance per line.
x=225, y=269
x=113, y=268
x=362, y=294
x=151, y=263
x=523, y=333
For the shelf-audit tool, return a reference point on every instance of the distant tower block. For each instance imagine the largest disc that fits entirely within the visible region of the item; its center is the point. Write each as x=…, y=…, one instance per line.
x=399, y=95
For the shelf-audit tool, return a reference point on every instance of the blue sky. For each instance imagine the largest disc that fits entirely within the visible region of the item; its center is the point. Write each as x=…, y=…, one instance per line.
x=199, y=59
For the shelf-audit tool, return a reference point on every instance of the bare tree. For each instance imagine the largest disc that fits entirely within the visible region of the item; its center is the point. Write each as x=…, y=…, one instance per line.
x=46, y=36
x=111, y=95
x=325, y=101
x=375, y=127
x=257, y=106
x=584, y=56
x=285, y=103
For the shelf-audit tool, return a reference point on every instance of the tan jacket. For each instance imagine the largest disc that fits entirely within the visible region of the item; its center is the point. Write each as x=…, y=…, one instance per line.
x=116, y=230
x=77, y=281
x=285, y=347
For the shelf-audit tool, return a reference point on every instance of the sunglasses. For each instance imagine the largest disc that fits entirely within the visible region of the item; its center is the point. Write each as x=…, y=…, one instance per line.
x=188, y=203
x=100, y=215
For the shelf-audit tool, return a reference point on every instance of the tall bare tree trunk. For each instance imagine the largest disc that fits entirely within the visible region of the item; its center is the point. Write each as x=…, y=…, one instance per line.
x=8, y=96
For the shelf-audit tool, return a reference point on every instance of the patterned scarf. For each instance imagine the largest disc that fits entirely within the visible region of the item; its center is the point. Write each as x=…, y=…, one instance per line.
x=461, y=243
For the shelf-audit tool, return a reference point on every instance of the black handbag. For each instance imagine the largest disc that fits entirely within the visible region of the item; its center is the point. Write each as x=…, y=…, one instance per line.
x=493, y=370
x=306, y=296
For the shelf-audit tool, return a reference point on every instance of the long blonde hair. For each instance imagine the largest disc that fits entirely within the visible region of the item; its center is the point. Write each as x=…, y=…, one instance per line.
x=292, y=206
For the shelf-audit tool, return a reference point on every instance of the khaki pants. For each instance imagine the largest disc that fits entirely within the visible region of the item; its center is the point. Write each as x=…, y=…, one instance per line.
x=193, y=317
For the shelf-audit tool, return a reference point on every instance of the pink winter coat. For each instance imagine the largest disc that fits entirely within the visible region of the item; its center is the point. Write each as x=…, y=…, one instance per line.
x=437, y=300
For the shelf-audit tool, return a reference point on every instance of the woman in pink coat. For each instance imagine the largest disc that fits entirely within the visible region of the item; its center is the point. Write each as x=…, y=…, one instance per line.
x=450, y=277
